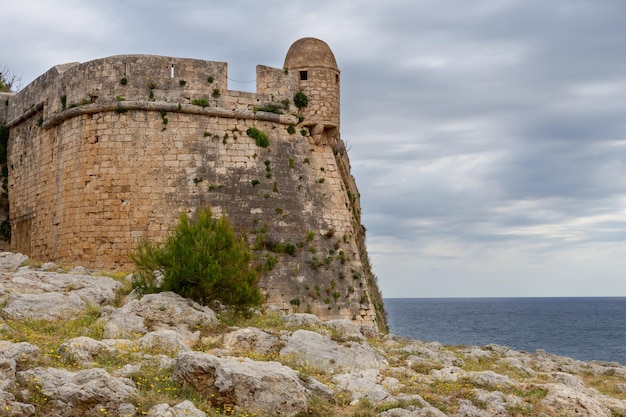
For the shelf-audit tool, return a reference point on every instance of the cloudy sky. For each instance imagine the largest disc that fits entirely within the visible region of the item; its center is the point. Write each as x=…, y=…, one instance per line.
x=487, y=137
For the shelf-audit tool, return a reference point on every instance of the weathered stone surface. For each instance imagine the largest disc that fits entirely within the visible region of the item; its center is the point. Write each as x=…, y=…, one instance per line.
x=301, y=319
x=85, y=350
x=183, y=409
x=11, y=261
x=433, y=352
x=51, y=295
x=313, y=349
x=490, y=379
x=162, y=311
x=564, y=400
x=368, y=384
x=47, y=306
x=448, y=374
x=14, y=356
x=347, y=328
x=261, y=387
x=249, y=340
x=76, y=394
x=413, y=412
x=163, y=342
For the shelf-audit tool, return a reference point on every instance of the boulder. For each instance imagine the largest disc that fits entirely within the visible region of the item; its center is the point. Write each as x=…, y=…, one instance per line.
x=249, y=339
x=301, y=320
x=76, y=394
x=413, y=411
x=162, y=311
x=167, y=342
x=346, y=328
x=51, y=296
x=265, y=388
x=11, y=261
x=47, y=306
x=448, y=374
x=491, y=379
x=14, y=356
x=184, y=409
x=85, y=350
x=565, y=400
x=307, y=348
x=433, y=352
x=368, y=384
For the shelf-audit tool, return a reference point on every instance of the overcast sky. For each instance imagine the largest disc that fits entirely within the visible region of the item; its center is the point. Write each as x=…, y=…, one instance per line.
x=487, y=137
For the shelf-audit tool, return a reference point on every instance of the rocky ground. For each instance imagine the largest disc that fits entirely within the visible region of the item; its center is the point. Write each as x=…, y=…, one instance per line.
x=79, y=343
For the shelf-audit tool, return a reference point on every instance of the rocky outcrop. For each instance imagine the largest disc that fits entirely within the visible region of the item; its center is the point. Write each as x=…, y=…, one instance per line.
x=163, y=311
x=78, y=394
x=164, y=356
x=261, y=387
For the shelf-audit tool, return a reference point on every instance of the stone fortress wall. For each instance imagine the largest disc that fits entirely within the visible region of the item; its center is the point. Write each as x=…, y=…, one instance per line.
x=105, y=153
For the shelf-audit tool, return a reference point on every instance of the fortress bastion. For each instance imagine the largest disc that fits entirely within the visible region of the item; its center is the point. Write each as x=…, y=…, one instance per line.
x=108, y=152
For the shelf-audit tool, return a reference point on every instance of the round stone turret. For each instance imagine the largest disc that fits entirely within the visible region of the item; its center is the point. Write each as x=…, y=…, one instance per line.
x=313, y=64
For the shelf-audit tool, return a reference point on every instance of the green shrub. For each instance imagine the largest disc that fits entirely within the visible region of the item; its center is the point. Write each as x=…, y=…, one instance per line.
x=300, y=100
x=203, y=260
x=261, y=138
x=203, y=102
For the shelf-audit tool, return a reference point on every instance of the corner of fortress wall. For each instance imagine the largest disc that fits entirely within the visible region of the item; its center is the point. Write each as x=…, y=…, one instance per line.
x=105, y=153
x=4, y=106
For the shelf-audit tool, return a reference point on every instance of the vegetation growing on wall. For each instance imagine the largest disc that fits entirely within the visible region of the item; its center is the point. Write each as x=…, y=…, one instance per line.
x=300, y=100
x=5, y=226
x=203, y=102
x=203, y=260
x=261, y=138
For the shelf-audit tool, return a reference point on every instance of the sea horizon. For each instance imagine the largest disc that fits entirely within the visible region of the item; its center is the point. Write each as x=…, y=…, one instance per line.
x=581, y=327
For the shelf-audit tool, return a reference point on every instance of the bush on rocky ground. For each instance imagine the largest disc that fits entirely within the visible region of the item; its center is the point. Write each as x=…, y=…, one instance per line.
x=203, y=260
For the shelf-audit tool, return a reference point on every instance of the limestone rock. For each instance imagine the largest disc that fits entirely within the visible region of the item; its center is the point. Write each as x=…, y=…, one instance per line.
x=433, y=352
x=368, y=384
x=11, y=261
x=85, y=350
x=163, y=342
x=301, y=319
x=313, y=349
x=162, y=311
x=491, y=379
x=347, y=328
x=249, y=339
x=76, y=394
x=50, y=295
x=260, y=387
x=496, y=402
x=47, y=306
x=565, y=400
x=184, y=409
x=468, y=409
x=412, y=411
x=13, y=356
x=448, y=374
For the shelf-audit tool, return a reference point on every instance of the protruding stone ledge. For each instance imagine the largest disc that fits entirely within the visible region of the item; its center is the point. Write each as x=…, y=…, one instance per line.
x=122, y=106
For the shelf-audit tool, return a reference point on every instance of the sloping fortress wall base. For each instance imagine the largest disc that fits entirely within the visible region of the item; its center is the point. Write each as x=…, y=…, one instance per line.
x=108, y=152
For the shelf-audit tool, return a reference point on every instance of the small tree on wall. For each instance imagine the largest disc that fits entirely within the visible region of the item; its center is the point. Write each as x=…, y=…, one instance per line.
x=203, y=260
x=9, y=82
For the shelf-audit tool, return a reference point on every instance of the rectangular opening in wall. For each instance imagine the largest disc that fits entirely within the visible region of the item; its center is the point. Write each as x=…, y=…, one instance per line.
x=304, y=75
x=21, y=236
x=172, y=71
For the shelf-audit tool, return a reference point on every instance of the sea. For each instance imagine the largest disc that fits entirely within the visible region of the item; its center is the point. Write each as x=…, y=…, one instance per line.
x=586, y=329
